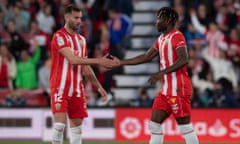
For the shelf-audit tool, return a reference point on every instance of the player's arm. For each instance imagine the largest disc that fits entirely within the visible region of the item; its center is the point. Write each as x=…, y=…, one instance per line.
x=76, y=60
x=182, y=60
x=146, y=57
x=90, y=75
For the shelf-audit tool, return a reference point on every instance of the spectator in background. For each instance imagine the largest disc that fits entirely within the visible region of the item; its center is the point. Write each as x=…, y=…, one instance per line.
x=37, y=36
x=22, y=18
x=15, y=99
x=214, y=37
x=143, y=99
x=27, y=70
x=98, y=14
x=225, y=18
x=233, y=44
x=104, y=76
x=193, y=37
x=183, y=18
x=45, y=19
x=1, y=22
x=120, y=28
x=7, y=10
x=222, y=68
x=16, y=43
x=86, y=26
x=124, y=6
x=222, y=96
x=44, y=78
x=7, y=68
x=202, y=14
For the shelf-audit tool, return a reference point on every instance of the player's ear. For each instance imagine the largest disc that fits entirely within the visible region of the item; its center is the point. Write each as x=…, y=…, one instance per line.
x=66, y=17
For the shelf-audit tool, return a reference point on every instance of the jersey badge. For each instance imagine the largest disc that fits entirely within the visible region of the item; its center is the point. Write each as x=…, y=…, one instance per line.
x=60, y=41
x=57, y=106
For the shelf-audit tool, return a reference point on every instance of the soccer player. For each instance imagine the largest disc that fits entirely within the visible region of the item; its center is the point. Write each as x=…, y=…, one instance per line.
x=69, y=63
x=174, y=96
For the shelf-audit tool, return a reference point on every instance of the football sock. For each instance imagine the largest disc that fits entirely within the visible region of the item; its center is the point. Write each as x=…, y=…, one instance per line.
x=58, y=129
x=156, y=133
x=188, y=134
x=76, y=135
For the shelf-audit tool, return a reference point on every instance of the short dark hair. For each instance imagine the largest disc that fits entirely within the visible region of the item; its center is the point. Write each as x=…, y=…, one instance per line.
x=69, y=9
x=168, y=14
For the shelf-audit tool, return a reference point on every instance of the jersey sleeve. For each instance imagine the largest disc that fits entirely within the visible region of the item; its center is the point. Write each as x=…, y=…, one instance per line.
x=178, y=41
x=60, y=41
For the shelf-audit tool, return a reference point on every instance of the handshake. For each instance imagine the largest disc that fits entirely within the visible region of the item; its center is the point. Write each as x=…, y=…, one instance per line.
x=109, y=61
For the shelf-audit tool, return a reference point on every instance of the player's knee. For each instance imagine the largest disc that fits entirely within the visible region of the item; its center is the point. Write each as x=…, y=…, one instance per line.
x=77, y=129
x=59, y=127
x=186, y=129
x=156, y=128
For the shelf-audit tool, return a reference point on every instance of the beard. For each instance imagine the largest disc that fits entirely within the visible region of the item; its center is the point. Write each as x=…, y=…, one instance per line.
x=161, y=28
x=73, y=26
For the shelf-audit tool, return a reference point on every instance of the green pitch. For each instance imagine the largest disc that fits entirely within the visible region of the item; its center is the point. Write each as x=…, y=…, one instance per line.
x=38, y=142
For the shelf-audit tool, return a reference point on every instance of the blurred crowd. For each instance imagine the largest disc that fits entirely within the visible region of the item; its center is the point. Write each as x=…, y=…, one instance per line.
x=212, y=31
x=211, y=28
x=26, y=28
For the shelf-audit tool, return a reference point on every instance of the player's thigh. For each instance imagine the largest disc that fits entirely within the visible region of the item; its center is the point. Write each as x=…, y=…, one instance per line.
x=182, y=109
x=160, y=109
x=75, y=122
x=183, y=120
x=159, y=116
x=59, y=105
x=77, y=108
x=60, y=117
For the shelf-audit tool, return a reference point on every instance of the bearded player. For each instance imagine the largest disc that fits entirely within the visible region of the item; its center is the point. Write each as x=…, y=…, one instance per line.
x=69, y=64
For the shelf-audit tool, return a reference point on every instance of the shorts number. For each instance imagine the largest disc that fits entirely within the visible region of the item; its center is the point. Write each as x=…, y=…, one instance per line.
x=57, y=97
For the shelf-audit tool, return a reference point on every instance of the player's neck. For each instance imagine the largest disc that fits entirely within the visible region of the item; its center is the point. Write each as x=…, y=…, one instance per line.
x=168, y=30
x=69, y=30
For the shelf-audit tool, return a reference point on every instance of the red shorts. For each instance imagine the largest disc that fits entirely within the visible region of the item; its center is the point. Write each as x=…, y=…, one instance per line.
x=74, y=106
x=179, y=106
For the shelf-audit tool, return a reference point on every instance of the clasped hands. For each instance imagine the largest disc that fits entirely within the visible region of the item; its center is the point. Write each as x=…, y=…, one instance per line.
x=109, y=61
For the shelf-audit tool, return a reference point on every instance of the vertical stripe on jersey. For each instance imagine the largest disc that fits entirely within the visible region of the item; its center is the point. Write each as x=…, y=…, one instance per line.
x=64, y=77
x=79, y=78
x=84, y=54
x=163, y=63
x=70, y=92
x=173, y=74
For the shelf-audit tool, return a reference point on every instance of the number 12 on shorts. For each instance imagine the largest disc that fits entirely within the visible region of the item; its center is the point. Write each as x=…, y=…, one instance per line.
x=57, y=97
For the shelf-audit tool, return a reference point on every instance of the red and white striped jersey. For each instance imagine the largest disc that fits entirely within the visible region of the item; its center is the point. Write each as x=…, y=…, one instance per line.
x=175, y=83
x=65, y=78
x=215, y=41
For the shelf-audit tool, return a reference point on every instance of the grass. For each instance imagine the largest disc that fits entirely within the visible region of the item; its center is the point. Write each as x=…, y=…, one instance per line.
x=97, y=142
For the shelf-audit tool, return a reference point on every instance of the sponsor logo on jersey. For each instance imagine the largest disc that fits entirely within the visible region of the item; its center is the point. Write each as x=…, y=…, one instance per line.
x=60, y=41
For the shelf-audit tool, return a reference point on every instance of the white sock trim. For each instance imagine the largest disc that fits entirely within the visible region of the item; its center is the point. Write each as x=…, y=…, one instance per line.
x=77, y=129
x=59, y=127
x=186, y=129
x=156, y=128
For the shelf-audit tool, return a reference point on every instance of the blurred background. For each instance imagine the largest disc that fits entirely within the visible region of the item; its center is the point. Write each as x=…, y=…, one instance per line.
x=124, y=28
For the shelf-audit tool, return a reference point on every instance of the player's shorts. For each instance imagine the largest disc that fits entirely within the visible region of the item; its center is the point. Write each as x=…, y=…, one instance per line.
x=179, y=106
x=74, y=106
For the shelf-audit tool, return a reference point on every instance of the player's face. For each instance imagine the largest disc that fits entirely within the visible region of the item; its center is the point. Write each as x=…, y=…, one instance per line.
x=75, y=20
x=161, y=24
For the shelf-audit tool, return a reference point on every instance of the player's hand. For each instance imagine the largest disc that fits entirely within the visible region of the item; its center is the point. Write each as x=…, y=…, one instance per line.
x=192, y=12
x=103, y=93
x=117, y=61
x=155, y=77
x=109, y=61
